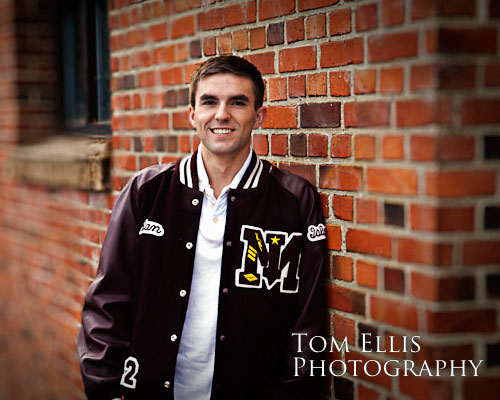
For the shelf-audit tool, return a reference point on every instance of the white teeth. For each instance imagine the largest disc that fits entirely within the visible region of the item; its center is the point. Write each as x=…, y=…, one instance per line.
x=221, y=131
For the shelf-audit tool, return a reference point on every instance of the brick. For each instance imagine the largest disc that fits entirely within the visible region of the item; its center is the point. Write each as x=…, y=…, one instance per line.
x=366, y=274
x=260, y=144
x=394, y=214
x=491, y=147
x=241, y=13
x=195, y=49
x=366, y=370
x=493, y=285
x=494, y=9
x=277, y=89
x=135, y=122
x=164, y=54
x=313, y=4
x=275, y=34
x=366, y=211
x=344, y=328
x=419, y=388
x=391, y=80
x=491, y=217
x=343, y=52
x=458, y=183
x=480, y=111
x=493, y=354
x=441, y=219
x=295, y=30
x=340, y=83
x=317, y=145
x=393, y=12
x=366, y=17
x=340, y=177
x=272, y=8
x=469, y=320
x=467, y=40
x=364, y=81
x=341, y=146
x=364, y=147
x=180, y=120
x=432, y=353
x=367, y=113
x=457, y=7
x=240, y=40
x=297, y=86
x=394, y=280
x=320, y=115
x=333, y=237
x=481, y=252
x=481, y=388
x=211, y=19
x=257, y=38
x=340, y=22
x=432, y=288
x=443, y=148
x=422, y=112
x=423, y=77
x=135, y=37
x=157, y=32
x=343, y=207
x=189, y=71
x=368, y=242
x=279, y=145
x=399, y=181
x=316, y=26
x=423, y=9
x=393, y=147
x=158, y=121
x=307, y=172
x=492, y=74
x=280, y=117
x=224, y=43
x=316, y=84
x=297, y=59
x=457, y=77
x=424, y=252
x=263, y=61
x=366, y=393
x=181, y=52
x=344, y=299
x=209, y=46
x=392, y=46
x=183, y=26
x=298, y=145
x=394, y=313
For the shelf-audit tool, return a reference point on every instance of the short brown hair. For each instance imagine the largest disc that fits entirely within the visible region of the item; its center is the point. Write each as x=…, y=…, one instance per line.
x=229, y=65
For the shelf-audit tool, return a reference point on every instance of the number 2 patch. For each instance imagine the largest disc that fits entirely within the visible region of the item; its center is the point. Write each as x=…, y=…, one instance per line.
x=130, y=370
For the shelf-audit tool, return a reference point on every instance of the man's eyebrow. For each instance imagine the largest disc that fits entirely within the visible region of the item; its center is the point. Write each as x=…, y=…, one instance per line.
x=207, y=97
x=240, y=97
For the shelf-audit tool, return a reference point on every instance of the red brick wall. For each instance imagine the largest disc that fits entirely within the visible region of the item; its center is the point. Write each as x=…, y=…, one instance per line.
x=389, y=107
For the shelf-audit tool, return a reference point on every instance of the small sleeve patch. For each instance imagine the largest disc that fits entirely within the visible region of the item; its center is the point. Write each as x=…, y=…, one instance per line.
x=316, y=232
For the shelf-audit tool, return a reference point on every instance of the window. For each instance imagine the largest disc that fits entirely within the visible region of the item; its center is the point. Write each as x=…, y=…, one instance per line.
x=85, y=73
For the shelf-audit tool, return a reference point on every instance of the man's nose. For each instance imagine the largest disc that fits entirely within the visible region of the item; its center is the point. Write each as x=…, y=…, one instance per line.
x=222, y=113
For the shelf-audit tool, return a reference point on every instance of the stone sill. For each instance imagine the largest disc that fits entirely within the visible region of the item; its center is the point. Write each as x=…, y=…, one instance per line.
x=64, y=162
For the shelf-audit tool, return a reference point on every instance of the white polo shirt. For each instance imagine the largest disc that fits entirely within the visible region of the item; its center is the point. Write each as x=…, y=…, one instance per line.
x=195, y=360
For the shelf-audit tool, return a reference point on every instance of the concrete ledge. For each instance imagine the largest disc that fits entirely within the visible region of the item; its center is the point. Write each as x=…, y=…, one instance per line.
x=64, y=162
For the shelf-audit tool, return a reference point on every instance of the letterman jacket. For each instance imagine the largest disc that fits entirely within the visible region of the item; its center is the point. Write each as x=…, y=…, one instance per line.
x=272, y=285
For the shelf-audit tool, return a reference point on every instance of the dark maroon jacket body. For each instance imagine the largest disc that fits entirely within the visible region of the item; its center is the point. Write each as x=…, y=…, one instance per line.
x=272, y=285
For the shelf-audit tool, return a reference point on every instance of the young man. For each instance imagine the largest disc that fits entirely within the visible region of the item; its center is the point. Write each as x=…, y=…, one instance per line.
x=209, y=266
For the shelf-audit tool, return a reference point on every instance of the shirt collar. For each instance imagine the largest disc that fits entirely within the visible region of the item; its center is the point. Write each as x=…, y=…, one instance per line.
x=203, y=181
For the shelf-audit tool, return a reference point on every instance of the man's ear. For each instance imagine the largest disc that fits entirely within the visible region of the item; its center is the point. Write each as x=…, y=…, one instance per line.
x=260, y=115
x=191, y=116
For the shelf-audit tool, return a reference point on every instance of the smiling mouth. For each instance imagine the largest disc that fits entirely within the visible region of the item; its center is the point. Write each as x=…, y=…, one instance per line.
x=219, y=131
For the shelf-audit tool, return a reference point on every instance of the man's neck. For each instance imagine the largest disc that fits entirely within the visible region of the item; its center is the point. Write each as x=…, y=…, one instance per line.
x=222, y=169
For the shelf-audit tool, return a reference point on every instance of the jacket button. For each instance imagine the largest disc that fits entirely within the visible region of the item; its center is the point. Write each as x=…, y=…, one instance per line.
x=195, y=202
x=167, y=384
x=225, y=290
x=222, y=338
x=189, y=245
x=182, y=293
x=173, y=338
x=233, y=199
x=229, y=243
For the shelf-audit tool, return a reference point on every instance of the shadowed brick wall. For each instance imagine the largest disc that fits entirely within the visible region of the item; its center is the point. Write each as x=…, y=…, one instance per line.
x=390, y=107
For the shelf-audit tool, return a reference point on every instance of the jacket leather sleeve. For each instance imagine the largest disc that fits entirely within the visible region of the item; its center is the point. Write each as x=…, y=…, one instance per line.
x=104, y=336
x=297, y=382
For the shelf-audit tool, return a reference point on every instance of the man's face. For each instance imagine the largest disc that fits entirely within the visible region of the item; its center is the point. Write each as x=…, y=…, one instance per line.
x=224, y=114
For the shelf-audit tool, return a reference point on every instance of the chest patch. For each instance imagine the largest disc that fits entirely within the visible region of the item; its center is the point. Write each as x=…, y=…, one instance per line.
x=269, y=257
x=151, y=228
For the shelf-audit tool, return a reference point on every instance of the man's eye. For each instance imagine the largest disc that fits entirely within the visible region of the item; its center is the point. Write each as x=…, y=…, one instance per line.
x=208, y=102
x=238, y=103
